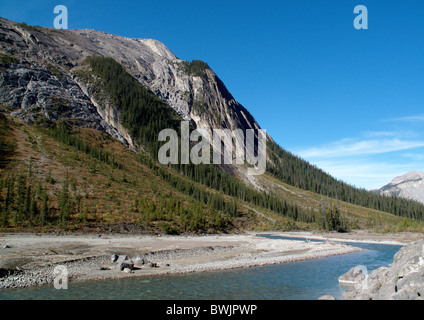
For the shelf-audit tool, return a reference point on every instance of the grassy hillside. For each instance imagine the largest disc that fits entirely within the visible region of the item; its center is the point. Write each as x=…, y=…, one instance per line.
x=58, y=178
x=86, y=191
x=54, y=176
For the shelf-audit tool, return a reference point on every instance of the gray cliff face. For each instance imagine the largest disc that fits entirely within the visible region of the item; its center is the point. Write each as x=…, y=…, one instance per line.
x=49, y=59
x=29, y=89
x=409, y=185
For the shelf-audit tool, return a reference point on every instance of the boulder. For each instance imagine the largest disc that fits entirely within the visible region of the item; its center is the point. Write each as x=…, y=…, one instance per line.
x=353, y=276
x=404, y=295
x=141, y=260
x=386, y=291
x=402, y=280
x=411, y=286
x=106, y=268
x=121, y=258
x=327, y=297
x=125, y=264
x=127, y=270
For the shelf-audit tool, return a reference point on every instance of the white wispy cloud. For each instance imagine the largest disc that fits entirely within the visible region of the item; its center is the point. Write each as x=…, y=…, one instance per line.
x=358, y=147
x=379, y=134
x=413, y=118
x=364, y=173
x=414, y=156
x=371, y=160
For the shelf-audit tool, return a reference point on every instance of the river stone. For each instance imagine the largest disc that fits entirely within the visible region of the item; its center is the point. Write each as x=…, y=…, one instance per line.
x=327, y=297
x=127, y=270
x=402, y=280
x=121, y=258
x=125, y=264
x=386, y=291
x=353, y=276
x=141, y=260
x=404, y=295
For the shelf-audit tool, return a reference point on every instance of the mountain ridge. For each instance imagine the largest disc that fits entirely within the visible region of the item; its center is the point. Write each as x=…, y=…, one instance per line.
x=48, y=74
x=409, y=185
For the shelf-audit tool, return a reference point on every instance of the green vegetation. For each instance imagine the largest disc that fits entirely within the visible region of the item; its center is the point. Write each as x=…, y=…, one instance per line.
x=28, y=27
x=95, y=189
x=7, y=144
x=299, y=173
x=199, y=106
x=195, y=68
x=7, y=59
x=142, y=113
x=293, y=170
x=54, y=70
x=62, y=133
x=89, y=181
x=73, y=178
x=330, y=219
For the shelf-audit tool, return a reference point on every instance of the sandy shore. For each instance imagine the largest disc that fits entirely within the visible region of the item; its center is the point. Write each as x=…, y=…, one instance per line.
x=360, y=236
x=29, y=259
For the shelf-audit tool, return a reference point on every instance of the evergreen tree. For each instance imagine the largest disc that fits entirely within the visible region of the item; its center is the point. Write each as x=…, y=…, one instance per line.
x=64, y=201
x=3, y=211
x=33, y=208
x=27, y=209
x=44, y=208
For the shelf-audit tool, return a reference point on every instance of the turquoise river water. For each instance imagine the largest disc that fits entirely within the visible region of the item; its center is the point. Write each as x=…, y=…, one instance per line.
x=304, y=280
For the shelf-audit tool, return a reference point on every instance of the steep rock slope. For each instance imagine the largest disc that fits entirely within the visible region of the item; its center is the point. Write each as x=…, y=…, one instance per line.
x=42, y=75
x=147, y=60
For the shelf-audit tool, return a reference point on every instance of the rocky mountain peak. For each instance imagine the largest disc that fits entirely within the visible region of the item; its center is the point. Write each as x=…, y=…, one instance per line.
x=409, y=185
x=43, y=71
x=408, y=177
x=204, y=99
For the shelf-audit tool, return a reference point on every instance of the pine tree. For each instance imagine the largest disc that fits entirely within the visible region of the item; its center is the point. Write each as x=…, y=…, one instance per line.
x=44, y=208
x=27, y=207
x=33, y=208
x=64, y=201
x=3, y=211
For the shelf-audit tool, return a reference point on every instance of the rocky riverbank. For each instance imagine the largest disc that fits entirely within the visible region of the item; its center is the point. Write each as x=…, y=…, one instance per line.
x=402, y=280
x=29, y=259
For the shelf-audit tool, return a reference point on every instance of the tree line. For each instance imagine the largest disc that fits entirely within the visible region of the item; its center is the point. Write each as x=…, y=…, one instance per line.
x=299, y=173
x=23, y=203
x=145, y=116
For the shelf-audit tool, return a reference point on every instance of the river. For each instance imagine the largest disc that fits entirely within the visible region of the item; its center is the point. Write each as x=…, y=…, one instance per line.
x=303, y=280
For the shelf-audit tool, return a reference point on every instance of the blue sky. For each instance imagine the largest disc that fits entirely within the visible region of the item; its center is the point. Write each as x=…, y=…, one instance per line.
x=350, y=101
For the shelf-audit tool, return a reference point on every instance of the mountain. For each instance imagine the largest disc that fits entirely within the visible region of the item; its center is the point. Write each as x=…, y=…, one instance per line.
x=186, y=87
x=64, y=94
x=409, y=186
